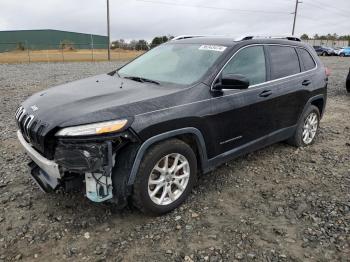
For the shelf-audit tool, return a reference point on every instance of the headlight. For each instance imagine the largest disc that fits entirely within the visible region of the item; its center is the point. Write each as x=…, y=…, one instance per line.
x=93, y=129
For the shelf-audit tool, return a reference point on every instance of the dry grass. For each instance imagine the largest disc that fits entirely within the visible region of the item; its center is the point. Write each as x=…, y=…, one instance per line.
x=66, y=55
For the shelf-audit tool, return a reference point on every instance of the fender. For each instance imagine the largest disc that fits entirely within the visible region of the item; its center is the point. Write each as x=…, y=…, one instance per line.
x=149, y=142
x=309, y=102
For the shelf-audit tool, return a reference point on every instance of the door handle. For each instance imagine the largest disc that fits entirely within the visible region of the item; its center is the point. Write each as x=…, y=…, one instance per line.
x=265, y=93
x=306, y=82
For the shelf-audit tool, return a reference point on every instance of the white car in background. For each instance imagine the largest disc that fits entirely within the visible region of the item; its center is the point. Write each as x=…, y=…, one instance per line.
x=338, y=50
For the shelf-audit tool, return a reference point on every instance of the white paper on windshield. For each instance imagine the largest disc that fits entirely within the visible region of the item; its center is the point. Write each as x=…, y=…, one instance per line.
x=217, y=48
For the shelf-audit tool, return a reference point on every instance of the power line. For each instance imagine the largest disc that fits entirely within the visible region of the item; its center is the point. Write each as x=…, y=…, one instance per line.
x=323, y=5
x=317, y=22
x=214, y=7
x=328, y=9
x=250, y=10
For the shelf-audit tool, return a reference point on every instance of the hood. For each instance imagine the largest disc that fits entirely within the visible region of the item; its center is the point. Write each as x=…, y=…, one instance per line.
x=95, y=99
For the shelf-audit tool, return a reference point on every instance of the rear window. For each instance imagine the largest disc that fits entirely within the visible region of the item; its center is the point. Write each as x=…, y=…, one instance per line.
x=307, y=59
x=284, y=61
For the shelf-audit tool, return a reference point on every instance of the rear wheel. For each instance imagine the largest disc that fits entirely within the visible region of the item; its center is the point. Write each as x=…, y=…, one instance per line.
x=342, y=54
x=307, y=128
x=166, y=176
x=324, y=54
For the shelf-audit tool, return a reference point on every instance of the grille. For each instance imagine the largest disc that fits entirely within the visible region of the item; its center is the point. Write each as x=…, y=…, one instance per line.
x=30, y=128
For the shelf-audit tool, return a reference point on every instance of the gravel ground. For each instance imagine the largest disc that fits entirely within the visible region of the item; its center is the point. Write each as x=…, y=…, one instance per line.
x=277, y=204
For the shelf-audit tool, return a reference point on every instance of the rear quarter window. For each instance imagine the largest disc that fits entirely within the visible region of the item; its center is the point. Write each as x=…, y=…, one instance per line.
x=284, y=61
x=306, y=59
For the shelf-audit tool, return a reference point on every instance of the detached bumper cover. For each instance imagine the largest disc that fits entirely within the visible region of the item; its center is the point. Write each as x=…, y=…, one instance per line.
x=45, y=182
x=50, y=167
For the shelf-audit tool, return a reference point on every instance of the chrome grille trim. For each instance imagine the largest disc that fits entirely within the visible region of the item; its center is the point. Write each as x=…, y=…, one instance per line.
x=19, y=112
x=31, y=128
x=26, y=125
x=21, y=115
x=24, y=122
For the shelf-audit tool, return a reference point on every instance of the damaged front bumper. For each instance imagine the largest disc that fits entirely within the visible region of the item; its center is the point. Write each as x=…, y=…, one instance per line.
x=77, y=164
x=48, y=166
x=45, y=182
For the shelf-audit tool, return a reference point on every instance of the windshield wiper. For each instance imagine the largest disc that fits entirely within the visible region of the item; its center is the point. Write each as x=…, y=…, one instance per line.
x=141, y=79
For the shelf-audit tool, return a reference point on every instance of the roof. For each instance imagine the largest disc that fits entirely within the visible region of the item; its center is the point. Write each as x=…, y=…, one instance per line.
x=230, y=41
x=226, y=41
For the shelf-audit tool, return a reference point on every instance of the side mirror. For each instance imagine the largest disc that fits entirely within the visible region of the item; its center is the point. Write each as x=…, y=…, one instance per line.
x=231, y=81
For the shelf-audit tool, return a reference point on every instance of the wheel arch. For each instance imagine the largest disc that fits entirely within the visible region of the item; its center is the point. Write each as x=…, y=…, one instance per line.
x=190, y=135
x=319, y=101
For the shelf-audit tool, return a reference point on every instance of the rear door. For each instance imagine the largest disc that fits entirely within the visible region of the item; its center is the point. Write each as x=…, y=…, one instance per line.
x=289, y=85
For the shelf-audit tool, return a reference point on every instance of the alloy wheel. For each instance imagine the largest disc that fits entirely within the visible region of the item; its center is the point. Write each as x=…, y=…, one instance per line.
x=310, y=128
x=168, y=179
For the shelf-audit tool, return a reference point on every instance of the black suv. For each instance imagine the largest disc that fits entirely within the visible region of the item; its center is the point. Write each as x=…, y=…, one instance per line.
x=143, y=132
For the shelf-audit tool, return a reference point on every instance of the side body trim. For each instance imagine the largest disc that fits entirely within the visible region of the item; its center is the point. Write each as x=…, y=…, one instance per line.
x=209, y=164
x=274, y=137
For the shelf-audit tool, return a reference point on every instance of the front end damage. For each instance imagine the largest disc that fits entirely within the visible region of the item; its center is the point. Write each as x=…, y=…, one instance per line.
x=85, y=164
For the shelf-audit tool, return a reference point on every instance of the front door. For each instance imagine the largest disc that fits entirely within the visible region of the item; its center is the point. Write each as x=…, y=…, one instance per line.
x=242, y=116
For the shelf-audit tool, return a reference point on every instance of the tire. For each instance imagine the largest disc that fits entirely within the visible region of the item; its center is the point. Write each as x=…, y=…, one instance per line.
x=297, y=139
x=145, y=182
x=324, y=54
x=341, y=54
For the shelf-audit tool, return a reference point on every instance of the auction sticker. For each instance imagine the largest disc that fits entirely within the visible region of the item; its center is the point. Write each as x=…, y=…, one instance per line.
x=217, y=48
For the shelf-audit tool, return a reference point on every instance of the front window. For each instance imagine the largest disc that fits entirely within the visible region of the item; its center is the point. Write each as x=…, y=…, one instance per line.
x=249, y=62
x=174, y=63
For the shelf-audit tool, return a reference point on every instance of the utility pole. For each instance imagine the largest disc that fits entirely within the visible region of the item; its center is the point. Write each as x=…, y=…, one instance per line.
x=295, y=14
x=108, y=33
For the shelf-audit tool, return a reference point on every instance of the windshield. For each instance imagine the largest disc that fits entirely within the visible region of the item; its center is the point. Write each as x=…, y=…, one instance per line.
x=174, y=63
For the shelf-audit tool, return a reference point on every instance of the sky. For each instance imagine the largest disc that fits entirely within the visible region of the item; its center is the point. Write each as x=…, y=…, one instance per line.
x=144, y=19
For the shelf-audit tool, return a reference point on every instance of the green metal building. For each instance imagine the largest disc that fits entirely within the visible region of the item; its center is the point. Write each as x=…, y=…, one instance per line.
x=47, y=39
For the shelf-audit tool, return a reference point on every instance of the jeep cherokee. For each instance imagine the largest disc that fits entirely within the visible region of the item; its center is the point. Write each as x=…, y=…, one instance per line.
x=143, y=132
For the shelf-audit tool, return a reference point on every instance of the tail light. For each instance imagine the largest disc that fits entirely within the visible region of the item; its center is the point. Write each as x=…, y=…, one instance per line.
x=327, y=71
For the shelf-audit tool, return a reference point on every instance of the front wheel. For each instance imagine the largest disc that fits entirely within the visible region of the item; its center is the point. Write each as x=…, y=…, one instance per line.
x=342, y=55
x=307, y=128
x=166, y=176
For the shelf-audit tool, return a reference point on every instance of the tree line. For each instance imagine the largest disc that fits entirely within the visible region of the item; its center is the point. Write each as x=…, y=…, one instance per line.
x=326, y=37
x=143, y=45
x=140, y=44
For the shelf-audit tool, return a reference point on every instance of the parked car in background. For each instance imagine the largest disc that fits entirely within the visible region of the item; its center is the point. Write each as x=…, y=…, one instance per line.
x=337, y=50
x=345, y=51
x=324, y=50
x=348, y=82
